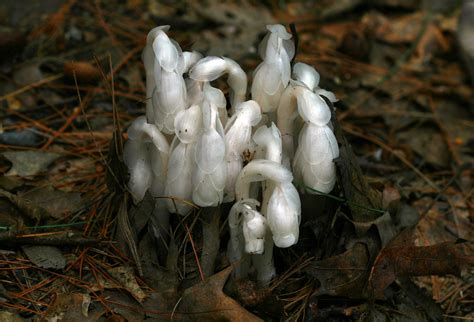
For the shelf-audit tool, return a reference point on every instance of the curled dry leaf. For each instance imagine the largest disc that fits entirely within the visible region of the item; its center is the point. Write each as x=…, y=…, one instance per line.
x=207, y=301
x=401, y=258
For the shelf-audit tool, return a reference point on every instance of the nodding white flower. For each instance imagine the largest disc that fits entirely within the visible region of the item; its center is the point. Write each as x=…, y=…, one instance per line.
x=236, y=246
x=281, y=203
x=282, y=228
x=169, y=95
x=209, y=174
x=284, y=208
x=238, y=133
x=284, y=214
x=146, y=156
x=307, y=75
x=210, y=68
x=299, y=100
x=188, y=125
x=273, y=74
x=254, y=229
x=317, y=146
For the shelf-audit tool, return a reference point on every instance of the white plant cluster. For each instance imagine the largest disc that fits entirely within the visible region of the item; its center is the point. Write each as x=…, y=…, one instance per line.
x=191, y=148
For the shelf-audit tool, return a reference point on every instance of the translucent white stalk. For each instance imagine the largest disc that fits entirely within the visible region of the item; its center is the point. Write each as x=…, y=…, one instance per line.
x=269, y=147
x=188, y=125
x=210, y=172
x=169, y=95
x=286, y=116
x=190, y=59
x=236, y=245
x=259, y=170
x=148, y=57
x=273, y=74
x=146, y=156
x=210, y=68
x=238, y=133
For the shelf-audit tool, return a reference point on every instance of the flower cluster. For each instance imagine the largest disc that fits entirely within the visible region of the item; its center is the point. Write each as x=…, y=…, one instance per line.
x=195, y=148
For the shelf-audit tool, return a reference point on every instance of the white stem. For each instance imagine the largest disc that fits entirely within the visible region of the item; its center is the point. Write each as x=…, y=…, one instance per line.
x=259, y=170
x=210, y=68
x=264, y=263
x=286, y=115
x=235, y=248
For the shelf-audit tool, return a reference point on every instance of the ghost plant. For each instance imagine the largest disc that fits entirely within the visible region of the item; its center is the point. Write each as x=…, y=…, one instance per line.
x=215, y=153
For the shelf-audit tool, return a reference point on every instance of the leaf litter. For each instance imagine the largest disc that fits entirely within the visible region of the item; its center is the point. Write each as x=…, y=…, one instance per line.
x=403, y=200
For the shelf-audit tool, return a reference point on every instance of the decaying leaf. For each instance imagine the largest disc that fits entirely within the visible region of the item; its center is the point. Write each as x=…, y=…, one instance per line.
x=45, y=256
x=29, y=163
x=70, y=307
x=207, y=302
x=401, y=258
x=124, y=277
x=28, y=208
x=344, y=274
x=57, y=203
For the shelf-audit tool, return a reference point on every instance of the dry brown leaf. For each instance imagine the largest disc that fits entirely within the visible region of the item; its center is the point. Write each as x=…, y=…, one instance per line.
x=206, y=301
x=400, y=258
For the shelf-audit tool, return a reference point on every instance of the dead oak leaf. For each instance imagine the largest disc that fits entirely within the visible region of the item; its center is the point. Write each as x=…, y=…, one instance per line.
x=401, y=258
x=206, y=301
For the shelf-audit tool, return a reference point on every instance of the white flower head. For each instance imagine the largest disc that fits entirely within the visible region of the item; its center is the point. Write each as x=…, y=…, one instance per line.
x=273, y=74
x=169, y=92
x=254, y=228
x=284, y=214
x=313, y=109
x=306, y=74
x=146, y=156
x=314, y=158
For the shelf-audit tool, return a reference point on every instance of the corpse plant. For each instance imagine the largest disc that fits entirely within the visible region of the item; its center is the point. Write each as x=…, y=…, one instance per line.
x=213, y=153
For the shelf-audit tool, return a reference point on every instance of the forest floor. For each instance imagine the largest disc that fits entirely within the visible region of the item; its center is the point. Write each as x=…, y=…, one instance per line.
x=72, y=245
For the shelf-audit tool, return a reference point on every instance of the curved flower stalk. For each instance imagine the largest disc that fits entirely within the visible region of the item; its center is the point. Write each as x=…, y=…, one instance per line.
x=299, y=92
x=282, y=230
x=238, y=133
x=146, y=156
x=209, y=173
x=169, y=95
x=317, y=147
x=236, y=245
x=287, y=114
x=273, y=74
x=188, y=125
x=281, y=203
x=211, y=68
x=190, y=58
